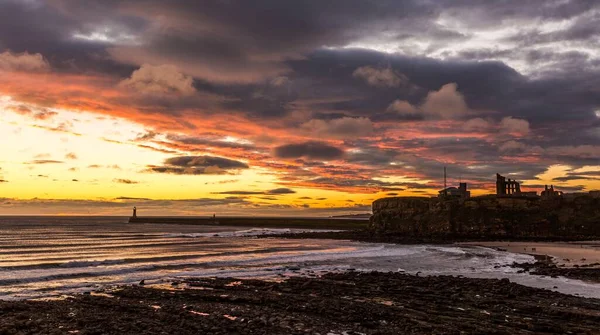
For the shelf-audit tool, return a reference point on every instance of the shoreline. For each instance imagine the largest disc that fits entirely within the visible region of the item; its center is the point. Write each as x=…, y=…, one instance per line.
x=369, y=303
x=330, y=303
x=564, y=254
x=572, y=259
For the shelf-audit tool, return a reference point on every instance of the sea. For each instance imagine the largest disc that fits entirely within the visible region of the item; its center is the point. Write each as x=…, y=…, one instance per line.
x=45, y=257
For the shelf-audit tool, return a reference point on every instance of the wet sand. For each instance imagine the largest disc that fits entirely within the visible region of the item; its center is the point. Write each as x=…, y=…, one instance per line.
x=567, y=254
x=346, y=303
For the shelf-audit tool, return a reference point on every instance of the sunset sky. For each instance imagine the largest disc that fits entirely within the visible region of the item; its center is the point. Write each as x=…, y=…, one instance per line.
x=272, y=107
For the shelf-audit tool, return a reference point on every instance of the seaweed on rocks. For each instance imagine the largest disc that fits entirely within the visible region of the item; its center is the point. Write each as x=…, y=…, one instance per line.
x=352, y=302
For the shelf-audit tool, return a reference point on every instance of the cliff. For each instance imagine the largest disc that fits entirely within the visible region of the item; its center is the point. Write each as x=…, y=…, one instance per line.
x=489, y=216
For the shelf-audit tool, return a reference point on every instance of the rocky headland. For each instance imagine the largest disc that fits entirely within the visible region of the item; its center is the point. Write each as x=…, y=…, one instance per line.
x=489, y=217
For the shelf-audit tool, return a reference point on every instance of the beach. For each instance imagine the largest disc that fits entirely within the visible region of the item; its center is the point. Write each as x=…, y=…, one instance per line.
x=344, y=303
x=70, y=275
x=567, y=254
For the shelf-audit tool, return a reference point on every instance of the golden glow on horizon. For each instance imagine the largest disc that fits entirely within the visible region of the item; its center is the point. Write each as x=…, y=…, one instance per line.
x=52, y=153
x=79, y=155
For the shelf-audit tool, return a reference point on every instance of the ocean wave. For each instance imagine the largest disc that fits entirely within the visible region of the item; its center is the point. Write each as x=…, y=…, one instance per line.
x=248, y=232
x=87, y=264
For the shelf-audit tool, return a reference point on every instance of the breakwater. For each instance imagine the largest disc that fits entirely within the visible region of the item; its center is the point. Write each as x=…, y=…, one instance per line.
x=489, y=216
x=269, y=222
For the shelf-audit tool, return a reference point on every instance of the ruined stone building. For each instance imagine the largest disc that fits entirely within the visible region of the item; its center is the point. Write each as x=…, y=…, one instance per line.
x=549, y=192
x=505, y=186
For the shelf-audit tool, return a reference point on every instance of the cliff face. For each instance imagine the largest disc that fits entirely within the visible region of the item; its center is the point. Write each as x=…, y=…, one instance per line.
x=489, y=216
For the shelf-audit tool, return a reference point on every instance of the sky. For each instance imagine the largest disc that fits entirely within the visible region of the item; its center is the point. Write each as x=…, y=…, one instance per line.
x=272, y=107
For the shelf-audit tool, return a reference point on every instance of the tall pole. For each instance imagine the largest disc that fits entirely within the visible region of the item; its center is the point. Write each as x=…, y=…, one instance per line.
x=445, y=189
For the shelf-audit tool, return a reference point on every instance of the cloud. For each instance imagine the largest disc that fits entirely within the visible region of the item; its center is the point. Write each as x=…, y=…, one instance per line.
x=162, y=79
x=3, y=181
x=281, y=190
x=40, y=114
x=209, y=142
x=125, y=181
x=446, y=103
x=149, y=135
x=44, y=161
x=281, y=81
x=312, y=150
x=513, y=146
x=579, y=151
x=355, y=184
x=71, y=155
x=380, y=77
x=98, y=166
x=25, y=62
x=318, y=76
x=513, y=126
x=277, y=191
x=194, y=165
x=342, y=128
x=477, y=124
x=403, y=108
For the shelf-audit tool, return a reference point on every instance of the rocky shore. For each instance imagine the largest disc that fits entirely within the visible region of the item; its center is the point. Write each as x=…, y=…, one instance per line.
x=543, y=265
x=347, y=303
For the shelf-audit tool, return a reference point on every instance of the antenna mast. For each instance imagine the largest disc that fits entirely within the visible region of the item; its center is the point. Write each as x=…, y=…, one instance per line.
x=445, y=188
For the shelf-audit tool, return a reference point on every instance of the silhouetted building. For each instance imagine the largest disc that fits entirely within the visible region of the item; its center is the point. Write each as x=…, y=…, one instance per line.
x=134, y=212
x=506, y=186
x=459, y=192
x=550, y=192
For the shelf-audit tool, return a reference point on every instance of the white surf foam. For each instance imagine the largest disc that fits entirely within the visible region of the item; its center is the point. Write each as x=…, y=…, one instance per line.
x=249, y=232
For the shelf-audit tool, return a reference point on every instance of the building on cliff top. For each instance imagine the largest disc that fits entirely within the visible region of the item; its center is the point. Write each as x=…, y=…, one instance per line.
x=505, y=187
x=459, y=192
x=549, y=192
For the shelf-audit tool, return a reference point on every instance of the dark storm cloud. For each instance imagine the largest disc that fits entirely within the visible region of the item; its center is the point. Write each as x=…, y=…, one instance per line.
x=198, y=165
x=302, y=29
x=312, y=150
x=48, y=30
x=237, y=38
